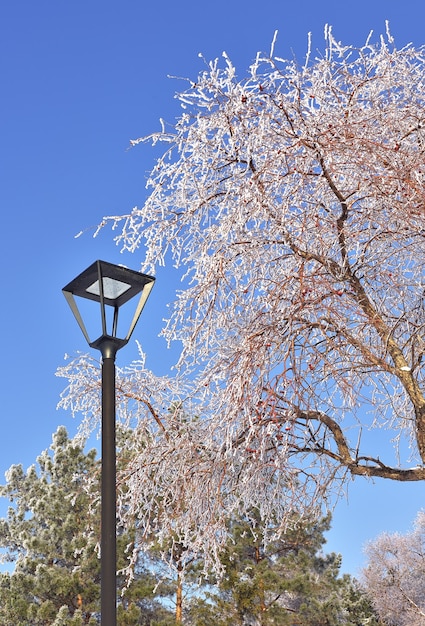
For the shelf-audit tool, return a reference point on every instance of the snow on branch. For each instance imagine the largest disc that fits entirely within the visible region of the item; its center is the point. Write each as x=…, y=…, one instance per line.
x=293, y=200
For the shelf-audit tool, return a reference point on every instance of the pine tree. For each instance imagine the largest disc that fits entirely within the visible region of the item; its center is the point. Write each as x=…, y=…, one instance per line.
x=51, y=534
x=290, y=582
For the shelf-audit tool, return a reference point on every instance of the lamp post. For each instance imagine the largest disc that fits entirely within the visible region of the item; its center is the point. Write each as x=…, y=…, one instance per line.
x=111, y=286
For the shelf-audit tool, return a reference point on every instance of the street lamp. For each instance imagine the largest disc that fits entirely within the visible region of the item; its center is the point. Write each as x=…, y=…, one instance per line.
x=111, y=286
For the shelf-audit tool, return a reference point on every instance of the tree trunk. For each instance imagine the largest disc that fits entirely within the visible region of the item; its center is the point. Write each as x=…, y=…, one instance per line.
x=179, y=596
x=263, y=608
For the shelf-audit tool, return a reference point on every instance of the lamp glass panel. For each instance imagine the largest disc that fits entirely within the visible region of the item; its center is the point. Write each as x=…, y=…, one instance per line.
x=112, y=288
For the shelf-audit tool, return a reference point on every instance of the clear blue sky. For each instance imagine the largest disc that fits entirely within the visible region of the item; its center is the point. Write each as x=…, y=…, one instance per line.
x=79, y=79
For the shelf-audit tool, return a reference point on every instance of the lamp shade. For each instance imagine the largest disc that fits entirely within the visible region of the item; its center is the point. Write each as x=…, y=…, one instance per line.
x=110, y=286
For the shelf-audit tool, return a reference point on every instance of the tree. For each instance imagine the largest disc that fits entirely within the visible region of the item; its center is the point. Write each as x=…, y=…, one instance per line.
x=395, y=575
x=180, y=578
x=293, y=200
x=290, y=582
x=51, y=534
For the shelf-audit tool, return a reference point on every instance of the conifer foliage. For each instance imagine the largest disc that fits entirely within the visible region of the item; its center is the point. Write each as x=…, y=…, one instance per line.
x=50, y=535
x=291, y=582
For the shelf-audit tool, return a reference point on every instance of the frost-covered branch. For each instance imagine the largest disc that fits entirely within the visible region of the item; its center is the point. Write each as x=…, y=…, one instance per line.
x=293, y=200
x=394, y=577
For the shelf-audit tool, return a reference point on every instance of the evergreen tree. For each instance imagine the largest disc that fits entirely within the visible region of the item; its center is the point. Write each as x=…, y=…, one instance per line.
x=51, y=534
x=182, y=581
x=291, y=582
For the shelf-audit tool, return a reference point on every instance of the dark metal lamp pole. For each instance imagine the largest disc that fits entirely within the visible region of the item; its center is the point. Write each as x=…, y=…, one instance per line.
x=111, y=286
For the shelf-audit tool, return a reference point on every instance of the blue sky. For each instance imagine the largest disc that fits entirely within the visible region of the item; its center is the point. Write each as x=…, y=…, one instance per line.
x=79, y=80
